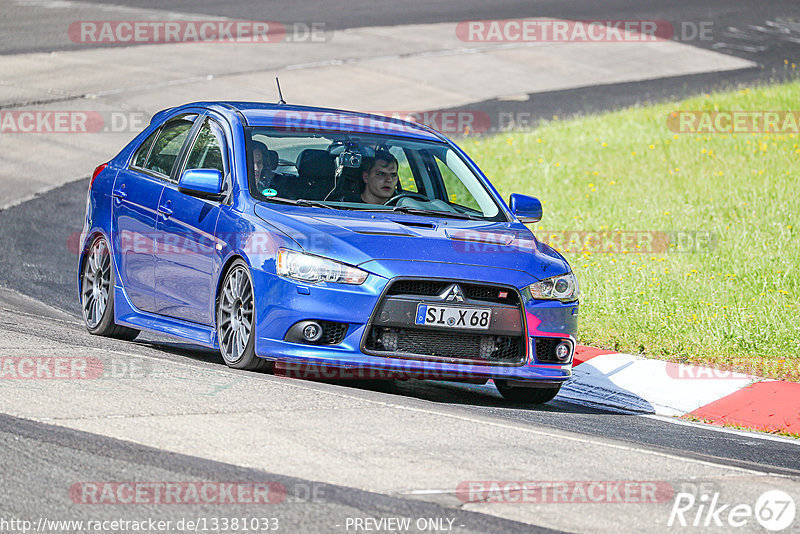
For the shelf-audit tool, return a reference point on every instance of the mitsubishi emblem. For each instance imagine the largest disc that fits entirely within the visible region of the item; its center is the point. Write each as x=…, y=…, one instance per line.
x=454, y=294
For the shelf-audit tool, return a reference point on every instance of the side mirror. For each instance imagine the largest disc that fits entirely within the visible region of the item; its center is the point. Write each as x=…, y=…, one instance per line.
x=203, y=183
x=526, y=209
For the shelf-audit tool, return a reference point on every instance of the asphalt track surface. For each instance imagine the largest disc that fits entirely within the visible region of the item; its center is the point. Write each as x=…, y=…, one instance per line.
x=305, y=507
x=767, y=33
x=38, y=258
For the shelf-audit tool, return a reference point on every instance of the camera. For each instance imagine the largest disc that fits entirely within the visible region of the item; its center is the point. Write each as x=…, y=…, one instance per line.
x=350, y=159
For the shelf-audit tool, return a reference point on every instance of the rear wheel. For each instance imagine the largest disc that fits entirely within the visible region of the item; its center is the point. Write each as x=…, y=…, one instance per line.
x=236, y=320
x=97, y=294
x=526, y=395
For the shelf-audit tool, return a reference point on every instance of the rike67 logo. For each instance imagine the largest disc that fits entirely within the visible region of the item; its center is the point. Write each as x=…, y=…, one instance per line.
x=774, y=510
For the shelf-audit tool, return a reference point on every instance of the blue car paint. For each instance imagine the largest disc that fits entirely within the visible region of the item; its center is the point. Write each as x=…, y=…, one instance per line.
x=181, y=301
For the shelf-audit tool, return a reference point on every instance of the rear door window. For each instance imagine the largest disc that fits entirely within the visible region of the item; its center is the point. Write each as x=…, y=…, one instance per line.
x=140, y=158
x=168, y=144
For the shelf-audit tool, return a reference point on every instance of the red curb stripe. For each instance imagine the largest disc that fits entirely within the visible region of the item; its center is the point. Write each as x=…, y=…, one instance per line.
x=584, y=353
x=771, y=406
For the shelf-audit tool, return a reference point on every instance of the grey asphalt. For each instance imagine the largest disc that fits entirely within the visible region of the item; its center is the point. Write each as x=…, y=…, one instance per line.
x=35, y=26
x=40, y=236
x=38, y=259
x=765, y=32
x=41, y=462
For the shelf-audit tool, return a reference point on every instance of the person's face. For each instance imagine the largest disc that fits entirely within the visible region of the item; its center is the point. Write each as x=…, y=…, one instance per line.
x=258, y=162
x=381, y=181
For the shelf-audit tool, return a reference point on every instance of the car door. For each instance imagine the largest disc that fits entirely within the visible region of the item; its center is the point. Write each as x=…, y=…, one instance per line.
x=137, y=190
x=186, y=257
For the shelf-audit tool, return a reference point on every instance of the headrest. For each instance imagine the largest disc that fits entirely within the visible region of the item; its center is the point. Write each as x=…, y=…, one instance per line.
x=315, y=163
x=270, y=156
x=272, y=159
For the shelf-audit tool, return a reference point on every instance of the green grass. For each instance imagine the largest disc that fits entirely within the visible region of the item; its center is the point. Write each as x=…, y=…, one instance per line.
x=784, y=433
x=732, y=303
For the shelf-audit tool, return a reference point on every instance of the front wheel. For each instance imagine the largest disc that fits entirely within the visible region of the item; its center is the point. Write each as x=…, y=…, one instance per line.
x=236, y=320
x=526, y=395
x=97, y=294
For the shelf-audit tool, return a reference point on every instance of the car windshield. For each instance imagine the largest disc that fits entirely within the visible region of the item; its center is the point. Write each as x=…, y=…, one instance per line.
x=365, y=172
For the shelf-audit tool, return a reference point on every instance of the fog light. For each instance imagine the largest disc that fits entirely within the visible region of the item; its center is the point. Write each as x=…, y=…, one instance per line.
x=312, y=332
x=562, y=351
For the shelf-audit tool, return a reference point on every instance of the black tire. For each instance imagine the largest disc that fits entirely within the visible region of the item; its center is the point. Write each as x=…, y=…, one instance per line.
x=97, y=293
x=236, y=320
x=526, y=395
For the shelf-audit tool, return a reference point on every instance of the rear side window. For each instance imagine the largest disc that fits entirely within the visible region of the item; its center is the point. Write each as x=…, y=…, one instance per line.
x=168, y=144
x=140, y=157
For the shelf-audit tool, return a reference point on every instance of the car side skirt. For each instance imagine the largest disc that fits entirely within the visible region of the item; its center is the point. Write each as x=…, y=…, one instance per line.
x=127, y=315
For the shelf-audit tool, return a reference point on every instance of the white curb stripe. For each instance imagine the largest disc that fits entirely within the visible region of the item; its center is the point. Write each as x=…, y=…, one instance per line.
x=633, y=383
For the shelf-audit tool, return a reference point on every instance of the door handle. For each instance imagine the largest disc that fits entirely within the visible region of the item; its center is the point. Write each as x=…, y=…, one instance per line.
x=165, y=210
x=119, y=194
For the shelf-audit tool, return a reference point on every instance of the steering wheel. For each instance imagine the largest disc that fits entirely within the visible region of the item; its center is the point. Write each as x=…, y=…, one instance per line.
x=408, y=194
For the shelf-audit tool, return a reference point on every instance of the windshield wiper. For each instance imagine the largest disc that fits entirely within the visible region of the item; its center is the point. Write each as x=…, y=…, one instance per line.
x=312, y=203
x=420, y=211
x=299, y=202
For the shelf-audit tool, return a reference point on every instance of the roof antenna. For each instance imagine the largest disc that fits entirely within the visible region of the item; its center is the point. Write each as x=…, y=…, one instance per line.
x=280, y=95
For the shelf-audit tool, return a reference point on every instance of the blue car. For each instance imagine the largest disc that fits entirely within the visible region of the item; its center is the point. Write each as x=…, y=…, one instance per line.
x=318, y=242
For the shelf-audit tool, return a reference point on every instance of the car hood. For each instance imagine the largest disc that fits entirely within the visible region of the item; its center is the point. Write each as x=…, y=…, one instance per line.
x=375, y=241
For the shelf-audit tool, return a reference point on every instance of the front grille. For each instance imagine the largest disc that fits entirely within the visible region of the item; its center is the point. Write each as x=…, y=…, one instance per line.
x=332, y=333
x=429, y=288
x=417, y=287
x=438, y=344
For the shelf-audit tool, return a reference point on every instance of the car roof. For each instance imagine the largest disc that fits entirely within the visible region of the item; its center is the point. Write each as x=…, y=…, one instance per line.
x=313, y=119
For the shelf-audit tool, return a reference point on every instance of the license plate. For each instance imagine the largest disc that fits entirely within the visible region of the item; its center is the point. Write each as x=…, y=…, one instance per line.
x=453, y=317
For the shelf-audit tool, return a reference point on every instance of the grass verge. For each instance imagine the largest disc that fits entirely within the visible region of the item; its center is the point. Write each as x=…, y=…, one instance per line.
x=685, y=245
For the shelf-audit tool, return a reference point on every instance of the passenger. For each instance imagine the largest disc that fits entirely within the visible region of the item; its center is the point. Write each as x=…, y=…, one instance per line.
x=380, y=178
x=265, y=162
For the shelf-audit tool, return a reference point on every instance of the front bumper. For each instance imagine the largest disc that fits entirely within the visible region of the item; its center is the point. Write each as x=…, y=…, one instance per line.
x=282, y=303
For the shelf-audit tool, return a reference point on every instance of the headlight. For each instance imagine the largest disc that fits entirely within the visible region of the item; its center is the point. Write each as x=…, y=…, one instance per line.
x=563, y=287
x=308, y=268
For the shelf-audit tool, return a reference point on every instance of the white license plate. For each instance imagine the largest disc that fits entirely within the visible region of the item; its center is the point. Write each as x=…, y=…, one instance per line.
x=453, y=317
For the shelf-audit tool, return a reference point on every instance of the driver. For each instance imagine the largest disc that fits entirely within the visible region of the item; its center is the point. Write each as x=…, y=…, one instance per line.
x=380, y=178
